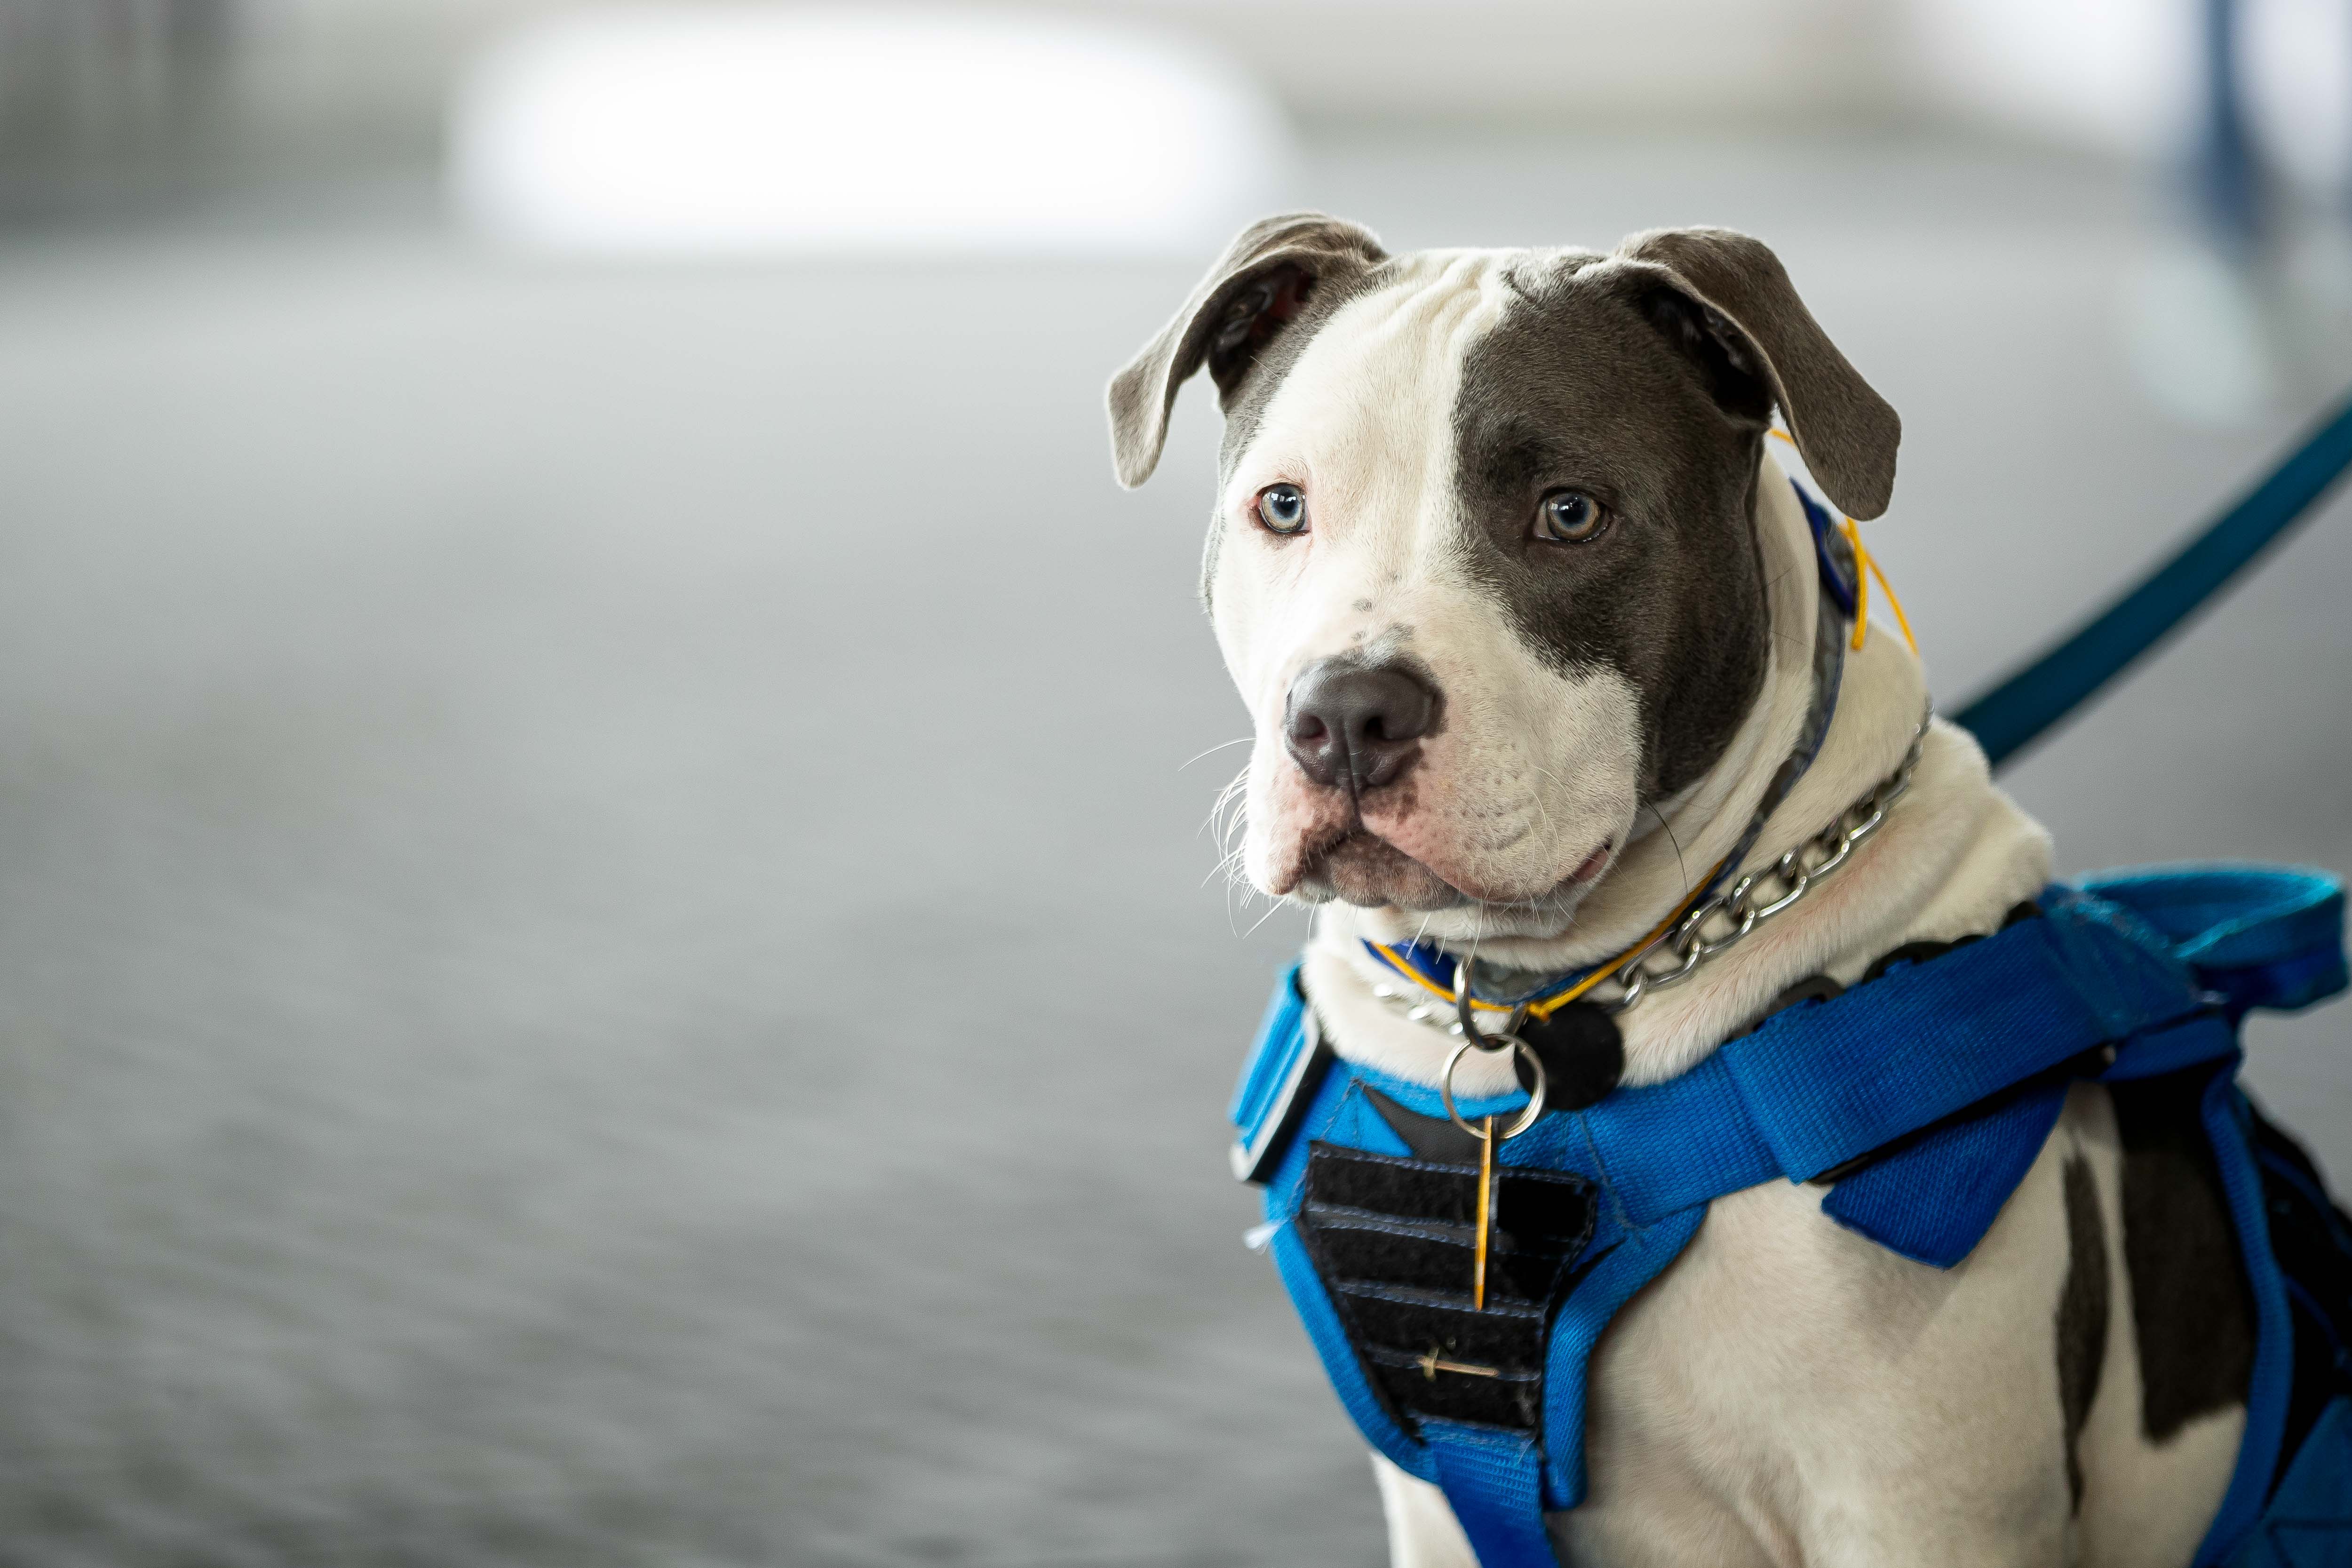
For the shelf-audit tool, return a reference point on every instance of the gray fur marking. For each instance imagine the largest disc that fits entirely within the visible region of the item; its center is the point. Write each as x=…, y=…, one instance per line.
x=2191, y=1309
x=1574, y=386
x=1618, y=375
x=2082, y=1306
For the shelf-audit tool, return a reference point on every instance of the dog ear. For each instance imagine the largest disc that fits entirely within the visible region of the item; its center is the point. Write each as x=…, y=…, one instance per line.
x=1725, y=300
x=1255, y=287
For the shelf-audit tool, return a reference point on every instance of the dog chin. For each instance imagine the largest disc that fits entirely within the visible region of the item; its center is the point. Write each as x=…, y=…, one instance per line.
x=1372, y=873
x=1368, y=871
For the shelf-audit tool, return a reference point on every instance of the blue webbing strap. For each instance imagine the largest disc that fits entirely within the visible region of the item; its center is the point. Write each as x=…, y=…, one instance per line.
x=1933, y=1200
x=1819, y=1085
x=2309, y=1521
x=1639, y=1256
x=2262, y=937
x=2270, y=1385
x=1494, y=1479
x=1330, y=1336
x=1832, y=1081
x=1278, y=1033
x=2028, y=701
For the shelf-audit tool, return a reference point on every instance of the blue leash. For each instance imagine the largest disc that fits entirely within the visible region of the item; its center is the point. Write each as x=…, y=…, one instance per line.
x=2016, y=712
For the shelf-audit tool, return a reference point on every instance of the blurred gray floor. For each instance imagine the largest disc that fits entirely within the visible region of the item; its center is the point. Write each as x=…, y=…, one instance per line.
x=605, y=958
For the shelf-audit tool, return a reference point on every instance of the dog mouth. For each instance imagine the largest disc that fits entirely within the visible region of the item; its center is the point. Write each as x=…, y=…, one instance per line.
x=1367, y=870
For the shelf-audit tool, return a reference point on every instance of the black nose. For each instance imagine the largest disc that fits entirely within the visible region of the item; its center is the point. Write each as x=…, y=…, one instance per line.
x=1355, y=724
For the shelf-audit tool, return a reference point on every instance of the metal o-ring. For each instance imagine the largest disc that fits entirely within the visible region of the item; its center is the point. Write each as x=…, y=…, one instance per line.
x=1465, y=1016
x=1534, y=1100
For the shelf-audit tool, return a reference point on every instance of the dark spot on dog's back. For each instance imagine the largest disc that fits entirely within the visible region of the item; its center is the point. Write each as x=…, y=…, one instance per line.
x=2083, y=1308
x=2191, y=1310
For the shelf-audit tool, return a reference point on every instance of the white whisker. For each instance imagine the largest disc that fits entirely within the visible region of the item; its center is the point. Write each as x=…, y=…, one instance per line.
x=1241, y=740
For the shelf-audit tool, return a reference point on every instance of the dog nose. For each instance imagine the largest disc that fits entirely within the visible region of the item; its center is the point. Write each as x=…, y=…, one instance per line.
x=1356, y=724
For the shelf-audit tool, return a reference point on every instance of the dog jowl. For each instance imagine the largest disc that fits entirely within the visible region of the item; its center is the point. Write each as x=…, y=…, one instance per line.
x=1484, y=561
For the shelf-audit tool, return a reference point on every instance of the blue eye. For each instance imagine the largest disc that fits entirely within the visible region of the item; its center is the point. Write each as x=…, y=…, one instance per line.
x=1570, y=517
x=1283, y=509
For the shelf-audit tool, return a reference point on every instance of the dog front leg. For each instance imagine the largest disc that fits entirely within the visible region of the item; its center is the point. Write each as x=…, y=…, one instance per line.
x=1423, y=1531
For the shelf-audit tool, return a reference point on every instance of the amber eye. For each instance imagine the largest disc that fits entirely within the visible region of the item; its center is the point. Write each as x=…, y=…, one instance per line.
x=1283, y=509
x=1570, y=517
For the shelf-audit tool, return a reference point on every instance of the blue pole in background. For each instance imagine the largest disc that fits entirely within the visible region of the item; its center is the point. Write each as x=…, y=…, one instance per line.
x=2228, y=178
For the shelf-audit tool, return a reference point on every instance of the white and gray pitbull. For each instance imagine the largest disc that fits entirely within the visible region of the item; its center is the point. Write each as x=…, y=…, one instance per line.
x=1523, y=615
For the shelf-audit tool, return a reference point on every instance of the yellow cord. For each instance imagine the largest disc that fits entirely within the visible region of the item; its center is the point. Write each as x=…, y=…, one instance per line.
x=1880, y=572
x=1865, y=567
x=1550, y=1004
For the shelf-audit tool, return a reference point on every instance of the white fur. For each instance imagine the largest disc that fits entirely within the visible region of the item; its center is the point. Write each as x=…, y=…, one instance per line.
x=1786, y=1391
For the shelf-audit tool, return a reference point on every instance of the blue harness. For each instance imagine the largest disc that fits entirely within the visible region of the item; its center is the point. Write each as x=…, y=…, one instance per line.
x=1919, y=1098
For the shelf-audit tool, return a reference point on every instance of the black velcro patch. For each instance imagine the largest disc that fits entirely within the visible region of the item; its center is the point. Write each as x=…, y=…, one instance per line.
x=1539, y=1205
x=1427, y=1386
x=1395, y=1241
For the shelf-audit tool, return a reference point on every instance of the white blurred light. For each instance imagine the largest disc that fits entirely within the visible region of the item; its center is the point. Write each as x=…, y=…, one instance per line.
x=757, y=129
x=2127, y=74
x=2116, y=74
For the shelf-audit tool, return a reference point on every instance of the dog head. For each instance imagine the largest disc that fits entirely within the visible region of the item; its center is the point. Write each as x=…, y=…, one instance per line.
x=1484, y=561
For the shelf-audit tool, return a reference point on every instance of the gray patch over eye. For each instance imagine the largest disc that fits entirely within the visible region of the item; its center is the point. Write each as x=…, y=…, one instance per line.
x=1574, y=389
x=1647, y=379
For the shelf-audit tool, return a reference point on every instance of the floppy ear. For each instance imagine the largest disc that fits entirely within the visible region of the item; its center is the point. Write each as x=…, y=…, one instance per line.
x=1739, y=317
x=1255, y=287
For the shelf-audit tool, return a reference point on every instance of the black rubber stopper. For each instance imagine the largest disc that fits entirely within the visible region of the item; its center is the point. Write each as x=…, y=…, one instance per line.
x=1583, y=1056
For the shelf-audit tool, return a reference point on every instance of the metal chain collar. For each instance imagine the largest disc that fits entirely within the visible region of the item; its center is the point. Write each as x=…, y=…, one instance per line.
x=1676, y=953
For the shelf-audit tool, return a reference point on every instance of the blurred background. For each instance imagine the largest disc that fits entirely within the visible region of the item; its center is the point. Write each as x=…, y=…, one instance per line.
x=607, y=955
